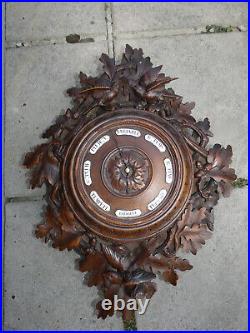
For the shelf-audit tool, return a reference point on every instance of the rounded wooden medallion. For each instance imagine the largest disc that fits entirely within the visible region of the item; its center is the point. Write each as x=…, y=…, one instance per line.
x=127, y=175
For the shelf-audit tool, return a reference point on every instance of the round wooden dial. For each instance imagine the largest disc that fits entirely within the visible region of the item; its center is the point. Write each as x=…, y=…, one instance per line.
x=127, y=175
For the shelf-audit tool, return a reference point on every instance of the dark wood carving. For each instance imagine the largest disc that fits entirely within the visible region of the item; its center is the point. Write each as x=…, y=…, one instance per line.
x=130, y=178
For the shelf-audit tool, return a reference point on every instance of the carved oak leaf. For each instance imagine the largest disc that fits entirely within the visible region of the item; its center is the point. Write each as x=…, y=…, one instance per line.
x=108, y=65
x=55, y=129
x=64, y=123
x=133, y=81
x=66, y=218
x=35, y=157
x=144, y=290
x=209, y=200
x=132, y=55
x=160, y=262
x=44, y=163
x=192, y=238
x=59, y=226
x=204, y=125
x=67, y=240
x=166, y=265
x=186, y=108
x=49, y=227
x=218, y=169
x=181, y=111
x=145, y=80
x=93, y=261
x=87, y=81
x=108, y=294
x=95, y=278
x=147, y=248
x=101, y=313
x=198, y=201
x=95, y=264
x=142, y=68
x=169, y=275
x=190, y=232
x=151, y=75
x=179, y=263
x=70, y=235
x=133, y=66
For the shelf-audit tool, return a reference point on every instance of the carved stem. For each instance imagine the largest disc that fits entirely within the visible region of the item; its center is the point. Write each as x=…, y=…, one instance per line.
x=196, y=147
x=204, y=138
x=129, y=319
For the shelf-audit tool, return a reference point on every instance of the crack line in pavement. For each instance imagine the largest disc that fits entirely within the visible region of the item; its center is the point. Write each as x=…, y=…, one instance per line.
x=171, y=32
x=24, y=199
x=111, y=35
x=84, y=39
x=109, y=27
x=3, y=154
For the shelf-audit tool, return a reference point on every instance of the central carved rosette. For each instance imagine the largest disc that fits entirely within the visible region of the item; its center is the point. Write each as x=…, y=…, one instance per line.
x=127, y=172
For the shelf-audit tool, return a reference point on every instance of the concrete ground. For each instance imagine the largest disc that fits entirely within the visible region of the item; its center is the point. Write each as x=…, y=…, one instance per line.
x=43, y=290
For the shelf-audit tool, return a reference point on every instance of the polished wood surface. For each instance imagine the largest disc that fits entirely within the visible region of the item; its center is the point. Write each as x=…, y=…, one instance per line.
x=129, y=209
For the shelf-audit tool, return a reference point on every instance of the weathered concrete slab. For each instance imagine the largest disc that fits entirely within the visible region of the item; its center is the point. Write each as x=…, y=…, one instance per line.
x=133, y=17
x=213, y=75
x=213, y=295
x=36, y=81
x=46, y=20
x=43, y=289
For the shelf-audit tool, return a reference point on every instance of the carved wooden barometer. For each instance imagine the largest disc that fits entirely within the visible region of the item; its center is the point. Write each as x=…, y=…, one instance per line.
x=130, y=179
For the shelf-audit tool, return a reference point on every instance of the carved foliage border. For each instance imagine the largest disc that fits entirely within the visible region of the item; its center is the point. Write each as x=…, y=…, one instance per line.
x=115, y=268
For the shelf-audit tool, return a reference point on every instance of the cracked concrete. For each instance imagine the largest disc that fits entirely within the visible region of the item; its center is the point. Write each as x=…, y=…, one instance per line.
x=40, y=65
